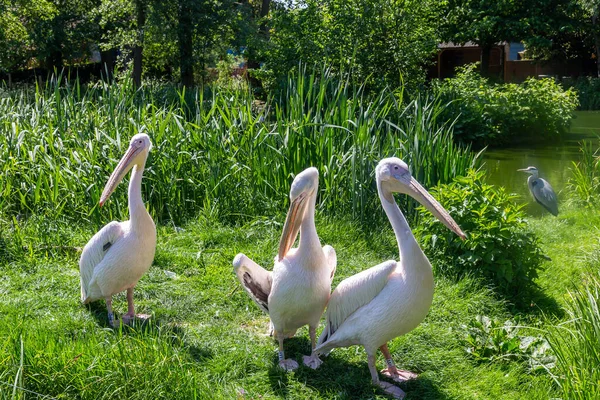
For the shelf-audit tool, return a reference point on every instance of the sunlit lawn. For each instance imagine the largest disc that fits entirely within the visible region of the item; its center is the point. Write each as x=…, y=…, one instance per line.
x=206, y=339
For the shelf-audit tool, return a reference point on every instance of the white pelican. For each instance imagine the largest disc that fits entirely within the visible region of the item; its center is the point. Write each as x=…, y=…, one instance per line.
x=390, y=299
x=296, y=292
x=118, y=255
x=541, y=190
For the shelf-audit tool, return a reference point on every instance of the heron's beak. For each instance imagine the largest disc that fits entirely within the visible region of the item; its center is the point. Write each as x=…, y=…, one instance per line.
x=419, y=193
x=119, y=173
x=523, y=170
x=292, y=224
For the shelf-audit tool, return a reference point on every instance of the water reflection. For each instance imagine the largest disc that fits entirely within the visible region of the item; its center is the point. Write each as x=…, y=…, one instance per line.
x=553, y=160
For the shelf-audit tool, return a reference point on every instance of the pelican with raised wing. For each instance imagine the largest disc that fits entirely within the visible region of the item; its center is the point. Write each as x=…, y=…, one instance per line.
x=295, y=293
x=392, y=298
x=118, y=255
x=541, y=190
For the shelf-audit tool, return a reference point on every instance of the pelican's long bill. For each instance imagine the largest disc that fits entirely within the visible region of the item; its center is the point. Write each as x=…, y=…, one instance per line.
x=119, y=173
x=419, y=193
x=292, y=224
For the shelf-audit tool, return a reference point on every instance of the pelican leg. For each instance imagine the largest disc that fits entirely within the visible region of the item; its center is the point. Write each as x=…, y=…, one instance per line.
x=313, y=361
x=286, y=365
x=130, y=316
x=391, y=371
x=389, y=388
x=111, y=316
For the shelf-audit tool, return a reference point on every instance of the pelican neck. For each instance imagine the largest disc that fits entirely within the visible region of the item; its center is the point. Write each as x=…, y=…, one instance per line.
x=137, y=210
x=407, y=244
x=308, y=231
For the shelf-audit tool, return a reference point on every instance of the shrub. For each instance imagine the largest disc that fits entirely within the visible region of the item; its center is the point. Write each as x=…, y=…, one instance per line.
x=498, y=247
x=576, y=342
x=588, y=91
x=499, y=114
x=489, y=340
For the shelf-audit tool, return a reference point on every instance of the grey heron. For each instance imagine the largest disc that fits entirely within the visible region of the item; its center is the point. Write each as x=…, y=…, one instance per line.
x=541, y=190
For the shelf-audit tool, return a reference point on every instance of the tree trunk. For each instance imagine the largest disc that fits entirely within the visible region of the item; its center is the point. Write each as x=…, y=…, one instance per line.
x=107, y=64
x=596, y=37
x=263, y=32
x=486, y=51
x=186, y=44
x=138, y=49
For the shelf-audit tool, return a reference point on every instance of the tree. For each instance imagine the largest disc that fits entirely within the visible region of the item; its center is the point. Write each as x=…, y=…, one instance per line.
x=485, y=22
x=380, y=42
x=591, y=10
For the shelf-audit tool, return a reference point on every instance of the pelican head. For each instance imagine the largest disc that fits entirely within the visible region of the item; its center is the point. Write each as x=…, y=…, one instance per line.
x=394, y=176
x=530, y=170
x=304, y=187
x=136, y=154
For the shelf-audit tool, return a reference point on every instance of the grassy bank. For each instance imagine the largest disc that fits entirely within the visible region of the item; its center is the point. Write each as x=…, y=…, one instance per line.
x=206, y=339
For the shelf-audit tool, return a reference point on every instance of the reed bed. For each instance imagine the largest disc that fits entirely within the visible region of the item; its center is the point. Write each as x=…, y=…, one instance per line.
x=215, y=149
x=576, y=342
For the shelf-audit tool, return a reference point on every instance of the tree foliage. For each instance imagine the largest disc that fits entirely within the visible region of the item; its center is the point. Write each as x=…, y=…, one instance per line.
x=379, y=42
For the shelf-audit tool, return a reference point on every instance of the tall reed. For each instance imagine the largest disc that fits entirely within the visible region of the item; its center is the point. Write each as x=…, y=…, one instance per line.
x=216, y=149
x=585, y=181
x=576, y=342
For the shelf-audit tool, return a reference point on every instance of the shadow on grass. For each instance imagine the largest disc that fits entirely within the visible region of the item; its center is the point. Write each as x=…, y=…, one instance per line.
x=536, y=302
x=339, y=377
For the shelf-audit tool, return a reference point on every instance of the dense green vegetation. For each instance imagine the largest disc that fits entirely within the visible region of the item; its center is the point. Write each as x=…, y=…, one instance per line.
x=206, y=337
x=500, y=114
x=499, y=245
x=588, y=91
x=515, y=308
x=216, y=149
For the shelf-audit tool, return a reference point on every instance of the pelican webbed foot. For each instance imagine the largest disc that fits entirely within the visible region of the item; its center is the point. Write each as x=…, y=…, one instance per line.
x=398, y=375
x=129, y=319
x=288, y=365
x=392, y=390
x=313, y=361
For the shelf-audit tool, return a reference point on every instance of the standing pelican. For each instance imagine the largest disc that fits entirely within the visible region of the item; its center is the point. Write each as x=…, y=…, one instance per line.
x=296, y=292
x=118, y=255
x=392, y=298
x=541, y=190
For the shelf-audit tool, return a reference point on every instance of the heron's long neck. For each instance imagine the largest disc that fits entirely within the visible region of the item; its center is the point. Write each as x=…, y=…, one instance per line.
x=309, y=240
x=137, y=211
x=407, y=244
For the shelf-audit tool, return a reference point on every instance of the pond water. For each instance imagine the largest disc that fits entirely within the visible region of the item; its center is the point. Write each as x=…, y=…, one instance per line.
x=553, y=160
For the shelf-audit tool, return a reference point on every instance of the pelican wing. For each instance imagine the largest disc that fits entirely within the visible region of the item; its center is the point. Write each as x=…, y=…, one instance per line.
x=255, y=279
x=331, y=258
x=93, y=254
x=544, y=194
x=353, y=293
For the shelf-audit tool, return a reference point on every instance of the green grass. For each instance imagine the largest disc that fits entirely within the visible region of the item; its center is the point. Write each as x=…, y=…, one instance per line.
x=206, y=339
x=566, y=239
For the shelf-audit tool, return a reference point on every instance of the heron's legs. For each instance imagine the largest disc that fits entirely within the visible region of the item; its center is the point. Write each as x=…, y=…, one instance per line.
x=313, y=361
x=286, y=365
x=111, y=316
x=391, y=371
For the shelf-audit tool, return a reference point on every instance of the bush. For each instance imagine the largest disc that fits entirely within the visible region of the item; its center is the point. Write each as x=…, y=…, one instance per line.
x=588, y=91
x=498, y=247
x=490, y=340
x=499, y=114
